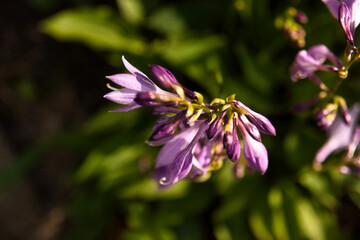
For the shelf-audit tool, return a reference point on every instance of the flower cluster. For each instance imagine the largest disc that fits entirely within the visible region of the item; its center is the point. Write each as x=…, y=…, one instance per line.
x=331, y=112
x=197, y=136
x=290, y=23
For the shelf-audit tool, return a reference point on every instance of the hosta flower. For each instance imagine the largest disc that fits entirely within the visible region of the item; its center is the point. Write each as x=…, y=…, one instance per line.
x=134, y=84
x=307, y=62
x=340, y=135
x=175, y=159
x=348, y=14
x=196, y=136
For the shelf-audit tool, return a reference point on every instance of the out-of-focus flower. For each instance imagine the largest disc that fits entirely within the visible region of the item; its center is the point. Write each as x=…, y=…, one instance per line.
x=290, y=23
x=326, y=115
x=307, y=62
x=348, y=14
x=340, y=135
x=196, y=136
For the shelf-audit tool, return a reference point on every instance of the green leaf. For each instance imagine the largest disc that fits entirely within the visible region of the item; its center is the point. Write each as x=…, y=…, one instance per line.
x=185, y=51
x=131, y=10
x=98, y=28
x=259, y=226
x=167, y=21
x=148, y=189
x=309, y=220
x=279, y=223
x=319, y=187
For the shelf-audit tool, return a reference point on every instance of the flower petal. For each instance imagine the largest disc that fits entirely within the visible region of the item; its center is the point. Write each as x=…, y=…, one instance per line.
x=261, y=122
x=122, y=96
x=180, y=167
x=254, y=152
x=231, y=141
x=126, y=108
x=178, y=143
x=340, y=135
x=167, y=79
x=168, y=127
x=344, y=19
x=133, y=82
x=333, y=6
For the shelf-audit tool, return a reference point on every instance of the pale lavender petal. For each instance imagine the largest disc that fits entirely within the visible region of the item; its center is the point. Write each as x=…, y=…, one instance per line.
x=296, y=72
x=303, y=70
x=345, y=22
x=354, y=8
x=133, y=82
x=178, y=143
x=182, y=163
x=254, y=152
x=202, y=159
x=355, y=16
x=310, y=60
x=339, y=126
x=307, y=62
x=126, y=108
x=333, y=6
x=180, y=167
x=261, y=122
x=320, y=53
x=340, y=135
x=250, y=128
x=140, y=75
x=122, y=96
x=133, y=69
x=355, y=140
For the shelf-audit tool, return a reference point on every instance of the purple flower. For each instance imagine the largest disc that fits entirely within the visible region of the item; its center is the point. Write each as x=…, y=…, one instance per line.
x=254, y=151
x=167, y=126
x=262, y=123
x=348, y=14
x=207, y=154
x=168, y=80
x=176, y=158
x=216, y=125
x=325, y=117
x=340, y=135
x=133, y=84
x=196, y=136
x=308, y=62
x=231, y=140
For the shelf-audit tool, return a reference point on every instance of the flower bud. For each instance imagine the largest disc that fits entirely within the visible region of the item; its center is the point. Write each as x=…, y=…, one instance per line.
x=231, y=140
x=152, y=99
x=168, y=80
x=167, y=126
x=254, y=152
x=345, y=22
x=215, y=126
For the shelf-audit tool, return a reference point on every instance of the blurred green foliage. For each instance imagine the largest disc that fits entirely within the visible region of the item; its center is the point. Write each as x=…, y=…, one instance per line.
x=218, y=48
